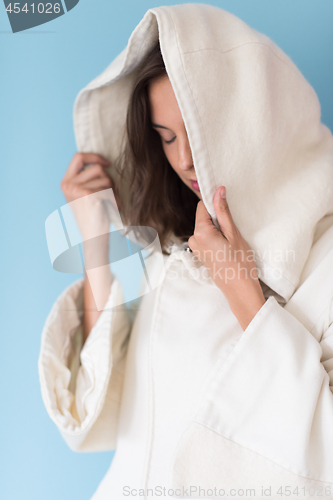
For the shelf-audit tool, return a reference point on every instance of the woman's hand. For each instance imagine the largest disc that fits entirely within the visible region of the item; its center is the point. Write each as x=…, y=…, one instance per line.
x=86, y=175
x=80, y=181
x=93, y=221
x=229, y=259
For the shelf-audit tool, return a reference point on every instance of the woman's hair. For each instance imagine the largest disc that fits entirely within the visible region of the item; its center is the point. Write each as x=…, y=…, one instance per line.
x=158, y=198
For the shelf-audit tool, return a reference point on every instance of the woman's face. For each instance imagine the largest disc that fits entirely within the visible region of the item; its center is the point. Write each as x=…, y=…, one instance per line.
x=168, y=122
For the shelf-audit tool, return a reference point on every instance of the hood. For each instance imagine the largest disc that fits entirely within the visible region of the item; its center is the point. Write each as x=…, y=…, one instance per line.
x=253, y=124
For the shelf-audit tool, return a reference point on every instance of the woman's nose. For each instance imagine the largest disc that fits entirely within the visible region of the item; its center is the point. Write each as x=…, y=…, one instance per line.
x=185, y=160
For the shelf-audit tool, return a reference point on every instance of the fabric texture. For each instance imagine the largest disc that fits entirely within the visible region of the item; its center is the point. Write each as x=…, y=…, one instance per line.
x=184, y=396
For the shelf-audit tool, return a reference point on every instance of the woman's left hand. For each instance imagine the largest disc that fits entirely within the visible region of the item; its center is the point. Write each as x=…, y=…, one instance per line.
x=229, y=259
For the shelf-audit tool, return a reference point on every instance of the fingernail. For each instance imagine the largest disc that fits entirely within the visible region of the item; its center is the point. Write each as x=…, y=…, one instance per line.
x=223, y=192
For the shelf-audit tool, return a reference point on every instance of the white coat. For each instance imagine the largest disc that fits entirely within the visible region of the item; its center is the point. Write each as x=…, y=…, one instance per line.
x=186, y=397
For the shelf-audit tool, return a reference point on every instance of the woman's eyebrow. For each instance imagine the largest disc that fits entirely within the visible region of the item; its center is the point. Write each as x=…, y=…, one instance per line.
x=159, y=126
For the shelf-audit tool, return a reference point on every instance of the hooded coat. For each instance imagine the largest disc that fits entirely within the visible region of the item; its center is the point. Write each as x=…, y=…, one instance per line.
x=187, y=398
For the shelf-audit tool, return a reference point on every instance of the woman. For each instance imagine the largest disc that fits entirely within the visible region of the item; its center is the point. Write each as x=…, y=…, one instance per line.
x=220, y=384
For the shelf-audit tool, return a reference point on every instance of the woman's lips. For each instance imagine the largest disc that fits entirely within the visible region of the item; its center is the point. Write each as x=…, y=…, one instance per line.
x=195, y=185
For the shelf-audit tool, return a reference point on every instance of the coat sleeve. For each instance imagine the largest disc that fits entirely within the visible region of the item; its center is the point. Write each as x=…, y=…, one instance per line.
x=273, y=394
x=81, y=386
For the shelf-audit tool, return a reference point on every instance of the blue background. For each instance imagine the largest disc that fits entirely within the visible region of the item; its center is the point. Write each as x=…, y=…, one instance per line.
x=42, y=70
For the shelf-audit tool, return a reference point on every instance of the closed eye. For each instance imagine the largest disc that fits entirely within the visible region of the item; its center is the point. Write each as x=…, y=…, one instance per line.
x=169, y=142
x=155, y=125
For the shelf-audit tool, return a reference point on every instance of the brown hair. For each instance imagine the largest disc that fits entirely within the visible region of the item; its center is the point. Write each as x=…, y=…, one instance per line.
x=157, y=196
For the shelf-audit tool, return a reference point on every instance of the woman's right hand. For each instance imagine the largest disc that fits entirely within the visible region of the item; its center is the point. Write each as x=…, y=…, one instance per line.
x=85, y=176
x=93, y=221
x=78, y=182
